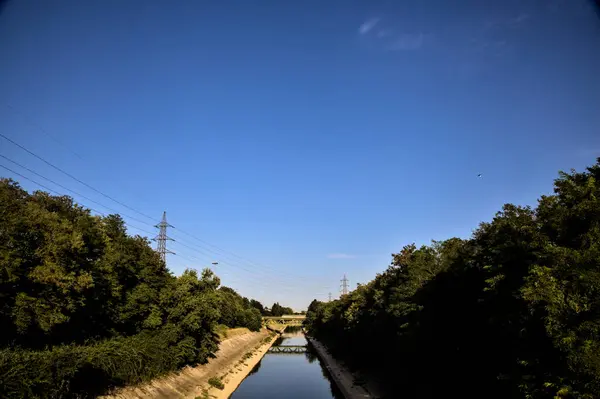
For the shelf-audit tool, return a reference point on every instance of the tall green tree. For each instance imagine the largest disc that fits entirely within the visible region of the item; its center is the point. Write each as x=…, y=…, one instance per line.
x=258, y=306
x=84, y=306
x=511, y=312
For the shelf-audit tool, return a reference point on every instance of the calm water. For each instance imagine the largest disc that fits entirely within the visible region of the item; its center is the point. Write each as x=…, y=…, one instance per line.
x=291, y=376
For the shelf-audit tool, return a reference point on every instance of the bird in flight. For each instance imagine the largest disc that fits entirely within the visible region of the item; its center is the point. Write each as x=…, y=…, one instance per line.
x=479, y=175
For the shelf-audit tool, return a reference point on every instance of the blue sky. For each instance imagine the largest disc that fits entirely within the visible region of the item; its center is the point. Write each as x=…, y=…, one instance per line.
x=310, y=139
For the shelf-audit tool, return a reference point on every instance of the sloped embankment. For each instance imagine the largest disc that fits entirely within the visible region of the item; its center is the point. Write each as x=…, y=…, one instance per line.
x=192, y=382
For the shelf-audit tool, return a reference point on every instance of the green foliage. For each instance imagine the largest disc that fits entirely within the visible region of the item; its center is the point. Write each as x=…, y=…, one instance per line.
x=67, y=276
x=221, y=330
x=85, y=307
x=205, y=395
x=257, y=305
x=514, y=311
x=85, y=371
x=237, y=311
x=277, y=310
x=252, y=319
x=216, y=382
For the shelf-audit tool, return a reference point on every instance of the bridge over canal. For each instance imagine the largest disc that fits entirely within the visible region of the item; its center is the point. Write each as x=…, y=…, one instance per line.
x=287, y=349
x=285, y=320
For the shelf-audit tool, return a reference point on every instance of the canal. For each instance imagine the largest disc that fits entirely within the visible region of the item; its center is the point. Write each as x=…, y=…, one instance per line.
x=288, y=375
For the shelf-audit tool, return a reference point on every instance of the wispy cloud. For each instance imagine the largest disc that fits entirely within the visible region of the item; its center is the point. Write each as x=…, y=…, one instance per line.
x=407, y=41
x=383, y=36
x=490, y=46
x=340, y=256
x=381, y=33
x=368, y=25
x=503, y=23
x=519, y=19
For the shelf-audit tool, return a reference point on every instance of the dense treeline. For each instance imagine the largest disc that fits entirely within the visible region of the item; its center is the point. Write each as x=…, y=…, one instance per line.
x=237, y=311
x=278, y=310
x=275, y=310
x=514, y=311
x=84, y=306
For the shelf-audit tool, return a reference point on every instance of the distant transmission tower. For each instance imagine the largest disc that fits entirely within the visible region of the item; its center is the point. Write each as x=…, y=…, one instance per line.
x=330, y=297
x=344, y=285
x=161, y=238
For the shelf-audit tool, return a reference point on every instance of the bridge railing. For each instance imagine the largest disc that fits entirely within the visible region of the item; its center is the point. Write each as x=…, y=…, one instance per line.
x=287, y=349
x=284, y=320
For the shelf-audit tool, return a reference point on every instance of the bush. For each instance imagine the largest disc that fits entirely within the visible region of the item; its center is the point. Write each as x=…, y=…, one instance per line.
x=86, y=371
x=221, y=331
x=253, y=319
x=85, y=307
x=216, y=382
x=513, y=311
x=237, y=311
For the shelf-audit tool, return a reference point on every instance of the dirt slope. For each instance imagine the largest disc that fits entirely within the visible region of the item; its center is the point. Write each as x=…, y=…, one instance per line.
x=190, y=381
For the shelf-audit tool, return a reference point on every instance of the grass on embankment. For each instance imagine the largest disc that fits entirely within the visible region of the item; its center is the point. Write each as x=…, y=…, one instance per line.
x=225, y=332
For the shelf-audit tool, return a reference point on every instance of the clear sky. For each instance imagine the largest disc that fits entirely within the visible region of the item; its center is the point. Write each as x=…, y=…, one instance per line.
x=311, y=138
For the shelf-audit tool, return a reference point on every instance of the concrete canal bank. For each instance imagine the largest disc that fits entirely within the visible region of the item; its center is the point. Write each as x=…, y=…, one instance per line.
x=234, y=360
x=240, y=370
x=312, y=373
x=342, y=377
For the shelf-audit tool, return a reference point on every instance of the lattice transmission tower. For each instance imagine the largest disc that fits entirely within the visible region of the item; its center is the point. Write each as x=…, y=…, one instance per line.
x=344, y=285
x=162, y=238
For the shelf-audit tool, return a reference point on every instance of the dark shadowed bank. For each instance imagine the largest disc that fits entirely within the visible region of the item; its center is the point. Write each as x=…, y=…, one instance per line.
x=513, y=311
x=85, y=307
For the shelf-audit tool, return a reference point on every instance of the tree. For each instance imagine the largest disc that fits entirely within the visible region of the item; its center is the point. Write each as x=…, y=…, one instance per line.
x=257, y=305
x=85, y=307
x=237, y=311
x=276, y=310
x=515, y=308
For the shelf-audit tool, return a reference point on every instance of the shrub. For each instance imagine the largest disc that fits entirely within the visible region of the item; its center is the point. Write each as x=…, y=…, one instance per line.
x=86, y=371
x=516, y=307
x=86, y=307
x=216, y=382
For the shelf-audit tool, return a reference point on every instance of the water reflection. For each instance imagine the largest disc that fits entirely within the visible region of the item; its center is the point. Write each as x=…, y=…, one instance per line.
x=293, y=329
x=255, y=368
x=335, y=391
x=292, y=335
x=311, y=355
x=294, y=376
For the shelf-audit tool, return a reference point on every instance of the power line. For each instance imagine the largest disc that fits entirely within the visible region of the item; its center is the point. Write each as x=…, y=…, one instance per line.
x=102, y=213
x=33, y=181
x=61, y=194
x=73, y=177
x=162, y=238
x=135, y=227
x=215, y=253
x=138, y=212
x=279, y=280
x=249, y=262
x=45, y=132
x=252, y=274
x=344, y=285
x=73, y=191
